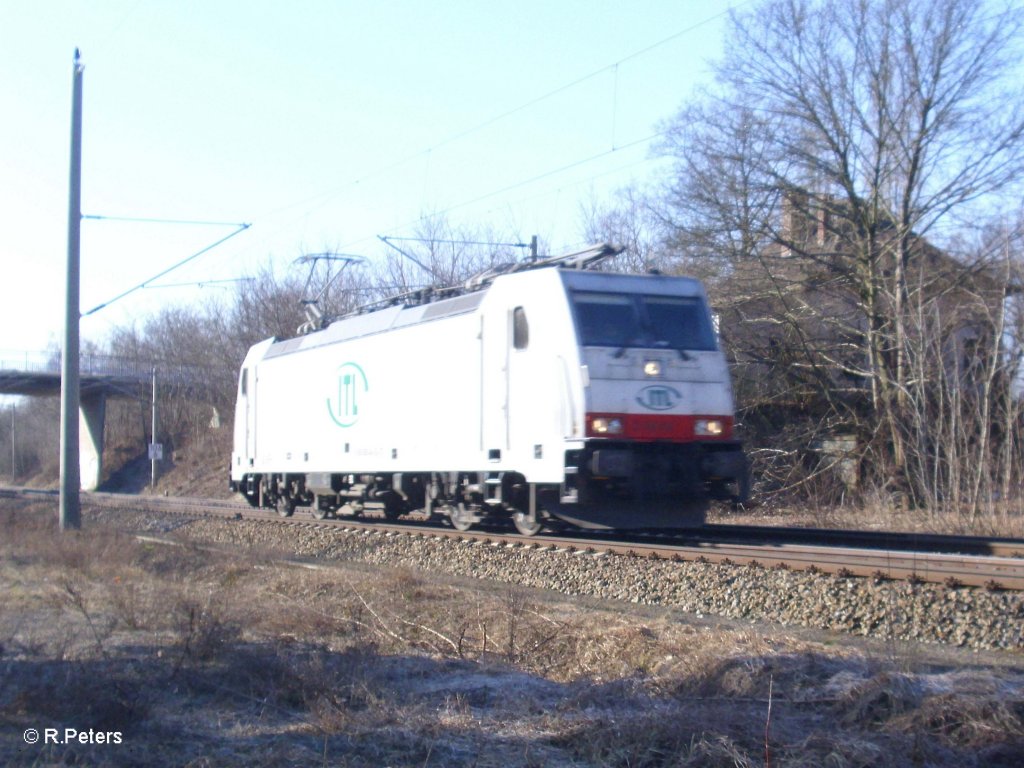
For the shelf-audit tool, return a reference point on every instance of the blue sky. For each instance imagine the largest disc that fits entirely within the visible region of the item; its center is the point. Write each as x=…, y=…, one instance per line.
x=323, y=124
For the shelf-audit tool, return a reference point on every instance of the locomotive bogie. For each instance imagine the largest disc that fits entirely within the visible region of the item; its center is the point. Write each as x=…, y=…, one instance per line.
x=549, y=395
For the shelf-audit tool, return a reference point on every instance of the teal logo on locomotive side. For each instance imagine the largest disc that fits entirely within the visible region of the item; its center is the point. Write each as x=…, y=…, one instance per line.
x=352, y=386
x=658, y=397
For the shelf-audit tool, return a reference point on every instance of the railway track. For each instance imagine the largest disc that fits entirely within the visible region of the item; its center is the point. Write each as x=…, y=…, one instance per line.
x=991, y=563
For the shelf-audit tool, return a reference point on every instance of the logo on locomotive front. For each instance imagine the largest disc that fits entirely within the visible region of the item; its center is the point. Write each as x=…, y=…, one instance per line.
x=658, y=397
x=352, y=385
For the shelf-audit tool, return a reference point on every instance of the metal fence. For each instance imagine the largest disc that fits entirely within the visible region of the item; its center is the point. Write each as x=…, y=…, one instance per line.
x=100, y=365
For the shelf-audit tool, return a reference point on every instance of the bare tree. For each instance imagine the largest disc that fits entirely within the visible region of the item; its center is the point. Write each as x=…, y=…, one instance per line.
x=439, y=255
x=630, y=220
x=964, y=421
x=842, y=140
x=29, y=438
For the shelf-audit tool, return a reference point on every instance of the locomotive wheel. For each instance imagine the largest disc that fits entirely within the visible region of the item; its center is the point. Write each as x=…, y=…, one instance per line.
x=318, y=512
x=526, y=524
x=392, y=511
x=461, y=518
x=285, y=506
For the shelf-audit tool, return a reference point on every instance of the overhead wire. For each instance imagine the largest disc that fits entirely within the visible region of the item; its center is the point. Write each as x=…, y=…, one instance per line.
x=548, y=173
x=521, y=183
x=202, y=283
x=327, y=195
x=148, y=220
x=458, y=135
x=240, y=228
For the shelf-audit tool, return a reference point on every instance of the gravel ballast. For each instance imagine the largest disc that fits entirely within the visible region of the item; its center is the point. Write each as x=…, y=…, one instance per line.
x=930, y=613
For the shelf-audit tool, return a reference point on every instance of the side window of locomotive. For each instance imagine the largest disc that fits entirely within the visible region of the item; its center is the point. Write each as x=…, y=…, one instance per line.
x=244, y=384
x=679, y=322
x=520, y=329
x=605, y=319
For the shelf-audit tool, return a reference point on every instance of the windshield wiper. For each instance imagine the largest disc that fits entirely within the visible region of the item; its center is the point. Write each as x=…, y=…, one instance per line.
x=683, y=354
x=632, y=341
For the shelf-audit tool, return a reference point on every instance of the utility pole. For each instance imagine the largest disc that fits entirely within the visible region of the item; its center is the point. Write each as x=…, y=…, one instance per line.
x=14, y=454
x=152, y=447
x=70, y=473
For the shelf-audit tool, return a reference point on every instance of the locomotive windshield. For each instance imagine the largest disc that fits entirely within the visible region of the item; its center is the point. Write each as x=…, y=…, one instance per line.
x=638, y=320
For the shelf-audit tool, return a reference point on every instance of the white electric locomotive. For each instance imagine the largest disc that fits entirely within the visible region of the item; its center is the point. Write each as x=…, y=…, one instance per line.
x=544, y=392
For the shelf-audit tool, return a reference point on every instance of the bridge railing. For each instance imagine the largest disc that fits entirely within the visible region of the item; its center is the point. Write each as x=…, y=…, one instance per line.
x=30, y=362
x=99, y=365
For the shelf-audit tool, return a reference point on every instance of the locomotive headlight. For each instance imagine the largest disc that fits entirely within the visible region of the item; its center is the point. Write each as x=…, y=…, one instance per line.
x=709, y=427
x=652, y=368
x=606, y=426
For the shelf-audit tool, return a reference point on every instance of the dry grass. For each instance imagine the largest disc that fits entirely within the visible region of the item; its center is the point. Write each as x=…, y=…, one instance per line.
x=205, y=659
x=878, y=515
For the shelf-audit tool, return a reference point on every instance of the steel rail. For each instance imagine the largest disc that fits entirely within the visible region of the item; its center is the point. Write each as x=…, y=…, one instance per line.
x=999, y=546
x=951, y=568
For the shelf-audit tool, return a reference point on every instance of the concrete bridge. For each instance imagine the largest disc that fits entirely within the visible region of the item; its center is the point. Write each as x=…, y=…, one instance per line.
x=37, y=374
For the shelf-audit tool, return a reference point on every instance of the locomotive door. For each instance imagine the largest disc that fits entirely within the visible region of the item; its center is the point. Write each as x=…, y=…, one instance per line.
x=249, y=393
x=494, y=406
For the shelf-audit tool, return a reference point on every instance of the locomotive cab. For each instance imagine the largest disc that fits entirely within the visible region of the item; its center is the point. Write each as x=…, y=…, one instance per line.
x=658, y=422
